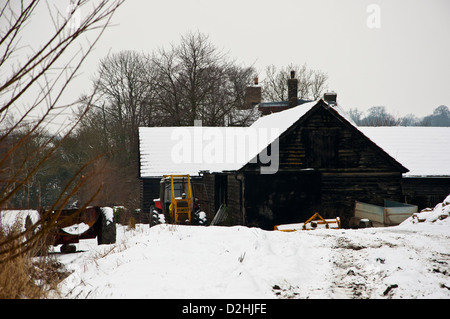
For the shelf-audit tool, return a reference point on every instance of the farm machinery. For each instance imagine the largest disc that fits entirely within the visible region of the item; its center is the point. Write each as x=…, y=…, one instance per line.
x=176, y=201
x=91, y=222
x=314, y=222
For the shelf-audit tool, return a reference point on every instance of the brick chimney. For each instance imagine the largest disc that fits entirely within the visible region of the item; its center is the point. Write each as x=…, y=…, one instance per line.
x=252, y=95
x=292, y=90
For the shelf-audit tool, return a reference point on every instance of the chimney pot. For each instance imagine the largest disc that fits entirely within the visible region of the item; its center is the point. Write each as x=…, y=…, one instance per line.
x=292, y=74
x=330, y=98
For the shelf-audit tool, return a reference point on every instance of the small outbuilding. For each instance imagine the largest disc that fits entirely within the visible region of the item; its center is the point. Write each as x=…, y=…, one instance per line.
x=425, y=152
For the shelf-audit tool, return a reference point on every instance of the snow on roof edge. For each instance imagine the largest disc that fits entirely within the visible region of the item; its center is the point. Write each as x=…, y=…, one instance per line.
x=402, y=149
x=420, y=149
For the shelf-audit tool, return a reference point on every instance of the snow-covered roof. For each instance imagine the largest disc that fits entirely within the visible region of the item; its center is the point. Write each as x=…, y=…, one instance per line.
x=424, y=151
x=285, y=119
x=155, y=145
x=190, y=150
x=186, y=150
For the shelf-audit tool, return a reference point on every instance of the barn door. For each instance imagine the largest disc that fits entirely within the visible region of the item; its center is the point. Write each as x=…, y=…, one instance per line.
x=281, y=198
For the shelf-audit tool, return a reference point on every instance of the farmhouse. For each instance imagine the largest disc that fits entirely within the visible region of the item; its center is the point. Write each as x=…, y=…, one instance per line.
x=294, y=162
x=324, y=164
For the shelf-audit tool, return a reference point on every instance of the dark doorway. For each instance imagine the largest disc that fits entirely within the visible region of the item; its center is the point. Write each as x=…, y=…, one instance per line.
x=220, y=191
x=281, y=198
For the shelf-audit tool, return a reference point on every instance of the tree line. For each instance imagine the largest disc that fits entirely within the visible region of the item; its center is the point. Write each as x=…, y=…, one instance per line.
x=379, y=116
x=173, y=86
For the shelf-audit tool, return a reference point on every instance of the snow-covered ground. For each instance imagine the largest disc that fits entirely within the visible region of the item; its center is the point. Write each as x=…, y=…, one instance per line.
x=411, y=260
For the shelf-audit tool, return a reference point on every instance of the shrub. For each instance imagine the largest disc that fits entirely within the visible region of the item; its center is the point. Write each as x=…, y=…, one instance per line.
x=27, y=275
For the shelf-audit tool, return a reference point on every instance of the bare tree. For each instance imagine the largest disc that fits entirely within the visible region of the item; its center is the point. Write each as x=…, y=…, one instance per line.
x=189, y=81
x=125, y=93
x=409, y=120
x=34, y=80
x=123, y=102
x=378, y=116
x=318, y=84
x=275, y=88
x=356, y=115
x=195, y=81
x=168, y=93
x=311, y=83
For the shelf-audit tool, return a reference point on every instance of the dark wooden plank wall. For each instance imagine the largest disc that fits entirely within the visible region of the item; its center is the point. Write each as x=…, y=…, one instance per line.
x=209, y=201
x=149, y=191
x=349, y=165
x=339, y=192
x=425, y=191
x=234, y=200
x=204, y=192
x=320, y=136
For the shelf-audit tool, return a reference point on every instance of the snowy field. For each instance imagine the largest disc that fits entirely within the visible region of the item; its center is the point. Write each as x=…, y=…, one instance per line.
x=411, y=260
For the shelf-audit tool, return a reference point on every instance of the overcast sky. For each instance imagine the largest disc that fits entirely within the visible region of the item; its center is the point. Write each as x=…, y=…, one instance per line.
x=394, y=53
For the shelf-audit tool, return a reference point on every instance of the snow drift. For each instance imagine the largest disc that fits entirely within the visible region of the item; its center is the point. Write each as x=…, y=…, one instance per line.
x=406, y=261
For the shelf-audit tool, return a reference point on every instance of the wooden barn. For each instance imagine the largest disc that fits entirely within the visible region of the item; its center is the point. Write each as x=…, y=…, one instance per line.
x=299, y=158
x=324, y=164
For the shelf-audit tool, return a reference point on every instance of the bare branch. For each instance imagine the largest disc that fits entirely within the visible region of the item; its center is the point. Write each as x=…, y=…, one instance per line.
x=40, y=74
x=311, y=83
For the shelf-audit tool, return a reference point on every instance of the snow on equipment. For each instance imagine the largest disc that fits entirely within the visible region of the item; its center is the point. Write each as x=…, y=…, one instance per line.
x=315, y=222
x=88, y=223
